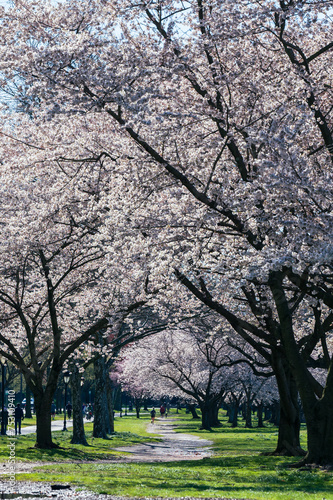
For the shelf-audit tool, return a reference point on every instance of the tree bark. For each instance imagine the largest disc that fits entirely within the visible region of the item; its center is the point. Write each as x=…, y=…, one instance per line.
x=248, y=413
x=260, y=414
x=317, y=403
x=28, y=402
x=99, y=430
x=235, y=409
x=206, y=417
x=43, y=404
x=289, y=422
x=78, y=426
x=109, y=397
x=209, y=411
x=320, y=436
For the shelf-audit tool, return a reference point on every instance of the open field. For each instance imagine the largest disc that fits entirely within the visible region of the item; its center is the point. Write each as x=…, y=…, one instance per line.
x=236, y=470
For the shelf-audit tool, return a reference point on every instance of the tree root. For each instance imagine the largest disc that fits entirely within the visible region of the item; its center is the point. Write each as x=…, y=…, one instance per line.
x=286, y=451
x=51, y=446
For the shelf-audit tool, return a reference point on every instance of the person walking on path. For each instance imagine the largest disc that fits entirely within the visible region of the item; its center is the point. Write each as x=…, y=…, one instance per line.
x=162, y=411
x=19, y=416
x=153, y=415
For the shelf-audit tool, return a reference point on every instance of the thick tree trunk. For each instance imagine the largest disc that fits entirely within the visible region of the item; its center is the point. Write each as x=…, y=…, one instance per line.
x=99, y=430
x=320, y=436
x=289, y=423
x=43, y=397
x=78, y=427
x=209, y=418
x=215, y=416
x=43, y=420
x=206, y=418
x=288, y=439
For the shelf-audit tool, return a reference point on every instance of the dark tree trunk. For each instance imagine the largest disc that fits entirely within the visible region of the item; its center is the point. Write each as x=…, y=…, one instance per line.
x=288, y=439
x=43, y=402
x=289, y=422
x=215, y=415
x=319, y=422
x=209, y=411
x=43, y=397
x=109, y=397
x=235, y=414
x=78, y=427
x=137, y=409
x=206, y=417
x=275, y=413
x=43, y=421
x=248, y=413
x=260, y=415
x=99, y=407
x=28, y=402
x=193, y=411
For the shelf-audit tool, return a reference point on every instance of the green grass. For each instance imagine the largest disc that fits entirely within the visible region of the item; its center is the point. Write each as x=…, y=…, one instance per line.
x=231, y=477
x=237, y=470
x=249, y=441
x=129, y=433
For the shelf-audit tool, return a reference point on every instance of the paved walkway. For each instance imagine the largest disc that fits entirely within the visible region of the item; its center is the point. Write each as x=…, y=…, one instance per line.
x=56, y=425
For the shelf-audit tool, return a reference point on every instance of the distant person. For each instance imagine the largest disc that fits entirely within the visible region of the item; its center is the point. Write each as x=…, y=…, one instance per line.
x=162, y=411
x=53, y=411
x=89, y=411
x=69, y=408
x=19, y=416
x=153, y=415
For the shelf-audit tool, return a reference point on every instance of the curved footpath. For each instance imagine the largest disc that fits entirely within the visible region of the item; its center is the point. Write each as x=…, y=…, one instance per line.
x=173, y=447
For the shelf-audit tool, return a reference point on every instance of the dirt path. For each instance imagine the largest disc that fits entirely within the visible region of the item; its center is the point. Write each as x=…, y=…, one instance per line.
x=174, y=446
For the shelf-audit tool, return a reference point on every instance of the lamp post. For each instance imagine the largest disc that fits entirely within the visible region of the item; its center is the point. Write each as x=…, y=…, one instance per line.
x=66, y=380
x=3, y=377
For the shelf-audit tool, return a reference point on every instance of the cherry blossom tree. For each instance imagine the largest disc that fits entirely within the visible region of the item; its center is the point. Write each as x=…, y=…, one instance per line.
x=189, y=362
x=229, y=110
x=60, y=284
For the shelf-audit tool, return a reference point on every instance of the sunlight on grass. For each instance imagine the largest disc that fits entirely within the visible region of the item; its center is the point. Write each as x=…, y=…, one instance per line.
x=237, y=470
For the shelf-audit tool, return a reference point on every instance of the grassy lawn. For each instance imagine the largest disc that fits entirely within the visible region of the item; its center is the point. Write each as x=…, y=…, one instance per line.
x=237, y=469
x=129, y=432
